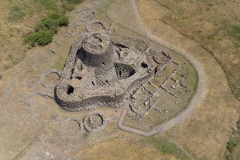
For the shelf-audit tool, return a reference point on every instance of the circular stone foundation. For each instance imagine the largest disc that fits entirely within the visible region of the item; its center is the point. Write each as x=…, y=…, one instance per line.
x=96, y=26
x=50, y=78
x=95, y=122
x=140, y=44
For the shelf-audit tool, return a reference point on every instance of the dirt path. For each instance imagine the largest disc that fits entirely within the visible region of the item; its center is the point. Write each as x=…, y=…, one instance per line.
x=120, y=123
x=202, y=83
x=212, y=113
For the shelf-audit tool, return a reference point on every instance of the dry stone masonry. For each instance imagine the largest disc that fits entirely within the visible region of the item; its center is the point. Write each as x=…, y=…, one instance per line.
x=105, y=69
x=100, y=72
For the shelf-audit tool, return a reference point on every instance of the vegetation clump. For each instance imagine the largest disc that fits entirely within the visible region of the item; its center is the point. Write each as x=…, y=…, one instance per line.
x=68, y=5
x=233, y=144
x=234, y=31
x=45, y=29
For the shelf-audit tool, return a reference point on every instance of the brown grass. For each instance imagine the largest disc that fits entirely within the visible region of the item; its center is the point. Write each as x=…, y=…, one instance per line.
x=17, y=18
x=123, y=148
x=206, y=130
x=211, y=24
x=203, y=134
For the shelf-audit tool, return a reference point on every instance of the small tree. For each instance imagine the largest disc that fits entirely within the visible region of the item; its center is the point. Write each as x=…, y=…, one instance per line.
x=45, y=37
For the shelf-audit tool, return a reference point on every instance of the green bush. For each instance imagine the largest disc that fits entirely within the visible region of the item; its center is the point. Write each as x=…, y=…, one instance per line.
x=63, y=21
x=45, y=29
x=234, y=31
x=41, y=38
x=49, y=5
x=54, y=15
x=31, y=39
x=45, y=37
x=47, y=24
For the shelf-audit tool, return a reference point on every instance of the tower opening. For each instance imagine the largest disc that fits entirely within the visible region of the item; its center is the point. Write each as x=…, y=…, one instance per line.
x=70, y=90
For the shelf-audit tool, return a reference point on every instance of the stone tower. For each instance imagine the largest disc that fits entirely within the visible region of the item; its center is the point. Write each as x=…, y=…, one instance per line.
x=97, y=52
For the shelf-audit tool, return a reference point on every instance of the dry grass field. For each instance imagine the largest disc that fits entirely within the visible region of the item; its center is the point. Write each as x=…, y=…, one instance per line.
x=215, y=25
x=39, y=122
x=18, y=18
x=201, y=133
x=32, y=126
x=15, y=21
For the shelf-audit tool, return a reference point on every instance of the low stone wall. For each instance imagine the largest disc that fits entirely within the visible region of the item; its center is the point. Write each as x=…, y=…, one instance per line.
x=97, y=101
x=87, y=121
x=88, y=103
x=69, y=66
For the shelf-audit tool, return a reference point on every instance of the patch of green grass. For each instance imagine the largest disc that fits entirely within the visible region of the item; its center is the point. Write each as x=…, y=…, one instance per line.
x=10, y=57
x=234, y=31
x=49, y=5
x=2, y=36
x=166, y=147
x=68, y=5
x=86, y=134
x=59, y=64
x=233, y=143
x=15, y=13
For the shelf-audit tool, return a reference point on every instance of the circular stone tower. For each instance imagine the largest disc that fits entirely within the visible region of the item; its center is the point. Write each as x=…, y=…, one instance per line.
x=97, y=50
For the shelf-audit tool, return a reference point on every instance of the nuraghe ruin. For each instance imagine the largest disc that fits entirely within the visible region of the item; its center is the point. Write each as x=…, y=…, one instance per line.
x=99, y=72
x=106, y=69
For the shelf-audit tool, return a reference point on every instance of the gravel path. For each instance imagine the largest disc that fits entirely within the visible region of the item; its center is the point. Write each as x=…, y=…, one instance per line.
x=124, y=112
x=202, y=82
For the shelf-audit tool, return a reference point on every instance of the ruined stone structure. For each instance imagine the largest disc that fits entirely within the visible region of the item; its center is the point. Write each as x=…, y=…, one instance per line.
x=95, y=122
x=99, y=73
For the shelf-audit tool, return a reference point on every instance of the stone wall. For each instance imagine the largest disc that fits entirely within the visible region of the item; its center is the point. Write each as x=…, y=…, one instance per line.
x=105, y=74
x=123, y=71
x=72, y=101
x=96, y=60
x=98, y=54
x=97, y=101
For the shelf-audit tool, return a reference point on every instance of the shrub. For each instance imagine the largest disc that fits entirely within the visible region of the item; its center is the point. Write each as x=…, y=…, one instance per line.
x=41, y=38
x=45, y=29
x=31, y=39
x=47, y=24
x=63, y=21
x=49, y=5
x=45, y=37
